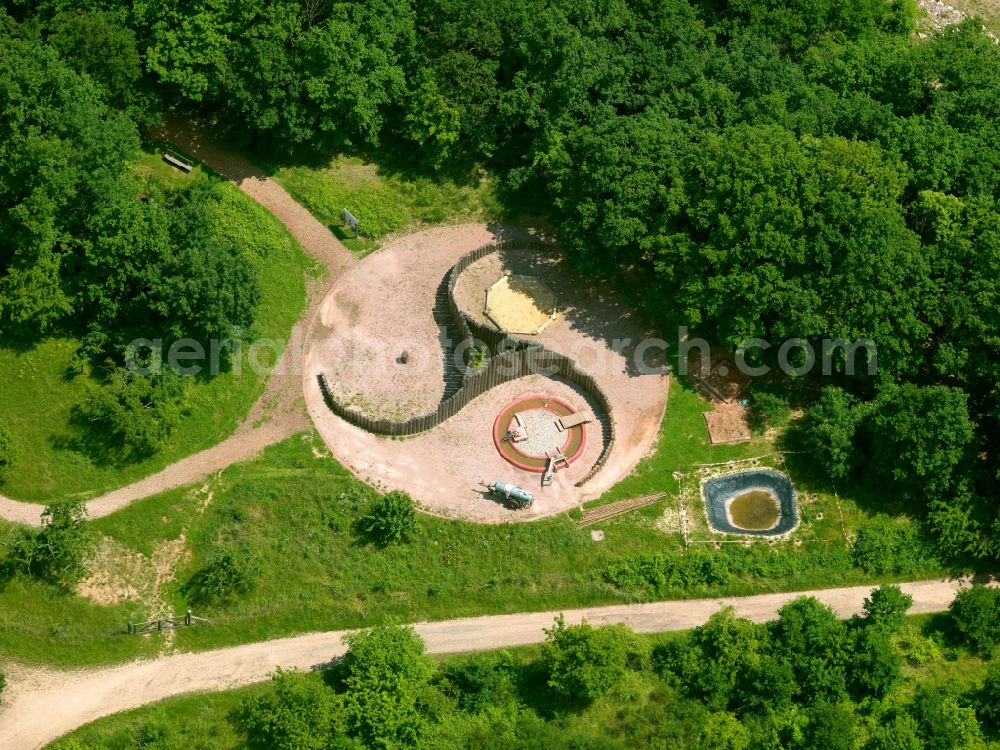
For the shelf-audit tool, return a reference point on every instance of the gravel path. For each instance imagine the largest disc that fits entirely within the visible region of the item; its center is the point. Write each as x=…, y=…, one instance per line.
x=279, y=413
x=43, y=704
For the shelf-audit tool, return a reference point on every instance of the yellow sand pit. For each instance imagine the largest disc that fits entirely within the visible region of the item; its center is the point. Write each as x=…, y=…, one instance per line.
x=520, y=304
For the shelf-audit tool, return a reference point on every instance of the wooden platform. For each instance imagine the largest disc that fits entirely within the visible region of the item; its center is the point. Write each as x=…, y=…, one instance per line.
x=603, y=512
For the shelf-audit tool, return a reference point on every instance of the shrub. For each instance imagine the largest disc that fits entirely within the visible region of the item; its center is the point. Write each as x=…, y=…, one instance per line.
x=713, y=660
x=876, y=665
x=886, y=608
x=884, y=546
x=131, y=416
x=902, y=733
x=392, y=519
x=815, y=643
x=829, y=431
x=3, y=685
x=385, y=671
x=58, y=551
x=944, y=723
x=659, y=573
x=988, y=698
x=481, y=681
x=976, y=612
x=230, y=572
x=767, y=410
x=299, y=713
x=584, y=662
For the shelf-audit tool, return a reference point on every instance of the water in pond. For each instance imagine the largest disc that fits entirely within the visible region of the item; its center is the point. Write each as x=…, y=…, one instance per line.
x=755, y=510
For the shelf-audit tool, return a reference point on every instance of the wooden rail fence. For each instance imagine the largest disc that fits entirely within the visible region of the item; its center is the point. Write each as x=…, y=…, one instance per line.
x=604, y=512
x=164, y=623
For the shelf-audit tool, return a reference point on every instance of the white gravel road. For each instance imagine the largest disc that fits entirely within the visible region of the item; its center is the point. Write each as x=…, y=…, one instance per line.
x=42, y=704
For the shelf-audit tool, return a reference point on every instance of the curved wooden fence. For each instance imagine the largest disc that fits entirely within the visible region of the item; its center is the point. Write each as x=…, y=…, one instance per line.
x=510, y=358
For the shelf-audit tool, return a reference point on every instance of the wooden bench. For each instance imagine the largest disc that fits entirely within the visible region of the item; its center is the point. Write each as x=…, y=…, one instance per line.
x=573, y=420
x=176, y=161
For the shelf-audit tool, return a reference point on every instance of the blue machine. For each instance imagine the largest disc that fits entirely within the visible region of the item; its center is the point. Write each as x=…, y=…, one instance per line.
x=521, y=498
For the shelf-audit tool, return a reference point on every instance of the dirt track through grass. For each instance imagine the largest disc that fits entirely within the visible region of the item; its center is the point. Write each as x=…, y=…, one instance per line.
x=279, y=413
x=44, y=705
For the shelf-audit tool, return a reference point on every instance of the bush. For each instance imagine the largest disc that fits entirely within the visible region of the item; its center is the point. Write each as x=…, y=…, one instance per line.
x=944, y=723
x=976, y=612
x=886, y=608
x=230, y=572
x=902, y=733
x=767, y=410
x=58, y=551
x=3, y=685
x=131, y=416
x=829, y=431
x=299, y=713
x=392, y=519
x=385, y=672
x=657, y=574
x=663, y=574
x=876, y=665
x=584, y=662
x=884, y=547
x=988, y=698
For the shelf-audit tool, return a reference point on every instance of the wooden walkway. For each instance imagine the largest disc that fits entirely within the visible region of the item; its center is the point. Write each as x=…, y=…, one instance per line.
x=603, y=512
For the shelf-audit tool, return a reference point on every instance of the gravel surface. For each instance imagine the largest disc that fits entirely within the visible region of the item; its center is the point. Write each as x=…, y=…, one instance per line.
x=41, y=705
x=358, y=335
x=543, y=434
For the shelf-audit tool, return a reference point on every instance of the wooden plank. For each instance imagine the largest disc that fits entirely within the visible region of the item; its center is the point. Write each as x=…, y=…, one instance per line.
x=181, y=165
x=603, y=512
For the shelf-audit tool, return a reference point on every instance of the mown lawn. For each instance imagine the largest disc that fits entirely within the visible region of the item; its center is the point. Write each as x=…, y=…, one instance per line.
x=384, y=203
x=38, y=391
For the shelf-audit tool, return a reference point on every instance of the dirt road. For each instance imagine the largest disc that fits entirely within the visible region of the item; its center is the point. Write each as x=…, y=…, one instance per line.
x=42, y=705
x=280, y=412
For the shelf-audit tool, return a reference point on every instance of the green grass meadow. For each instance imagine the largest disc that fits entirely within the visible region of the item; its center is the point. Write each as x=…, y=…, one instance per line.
x=384, y=204
x=296, y=510
x=38, y=391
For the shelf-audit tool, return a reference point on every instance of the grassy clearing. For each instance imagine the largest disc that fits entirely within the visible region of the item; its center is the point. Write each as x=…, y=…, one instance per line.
x=296, y=512
x=41, y=624
x=37, y=394
x=986, y=10
x=384, y=203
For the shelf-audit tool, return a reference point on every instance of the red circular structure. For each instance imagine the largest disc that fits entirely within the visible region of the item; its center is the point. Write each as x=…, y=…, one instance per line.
x=572, y=447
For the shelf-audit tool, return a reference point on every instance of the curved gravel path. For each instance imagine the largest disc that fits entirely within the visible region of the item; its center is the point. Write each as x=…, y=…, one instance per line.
x=43, y=704
x=280, y=412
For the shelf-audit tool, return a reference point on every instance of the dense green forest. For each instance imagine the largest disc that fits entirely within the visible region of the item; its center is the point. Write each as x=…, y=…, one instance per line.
x=808, y=680
x=777, y=169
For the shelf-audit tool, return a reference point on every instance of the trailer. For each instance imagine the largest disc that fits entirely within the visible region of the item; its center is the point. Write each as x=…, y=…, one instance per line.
x=516, y=496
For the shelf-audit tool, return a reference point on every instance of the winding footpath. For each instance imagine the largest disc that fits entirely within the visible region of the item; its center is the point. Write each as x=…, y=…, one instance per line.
x=43, y=705
x=279, y=413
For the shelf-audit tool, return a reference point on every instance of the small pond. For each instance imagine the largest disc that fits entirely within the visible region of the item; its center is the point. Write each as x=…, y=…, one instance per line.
x=760, y=502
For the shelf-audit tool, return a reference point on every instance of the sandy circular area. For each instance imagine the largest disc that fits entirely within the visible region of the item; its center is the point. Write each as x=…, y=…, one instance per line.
x=543, y=435
x=385, y=306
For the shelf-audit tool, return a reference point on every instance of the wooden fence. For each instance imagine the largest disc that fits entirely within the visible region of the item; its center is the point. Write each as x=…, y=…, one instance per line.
x=165, y=623
x=510, y=359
